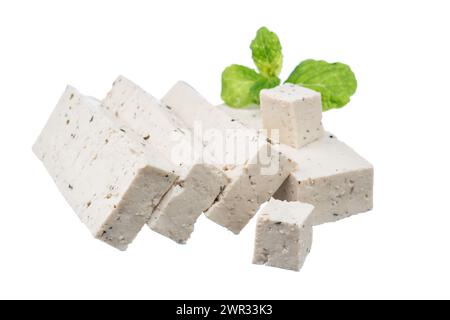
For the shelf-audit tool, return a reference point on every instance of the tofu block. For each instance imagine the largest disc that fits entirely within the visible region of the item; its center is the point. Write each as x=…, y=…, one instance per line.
x=283, y=234
x=253, y=180
x=199, y=183
x=330, y=175
x=109, y=179
x=293, y=110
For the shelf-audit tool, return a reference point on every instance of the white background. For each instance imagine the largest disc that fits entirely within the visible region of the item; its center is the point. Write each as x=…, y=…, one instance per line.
x=398, y=120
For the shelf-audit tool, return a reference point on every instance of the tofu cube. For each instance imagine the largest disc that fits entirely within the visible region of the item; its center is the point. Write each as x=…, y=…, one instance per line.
x=283, y=234
x=293, y=110
x=111, y=182
x=198, y=184
x=332, y=177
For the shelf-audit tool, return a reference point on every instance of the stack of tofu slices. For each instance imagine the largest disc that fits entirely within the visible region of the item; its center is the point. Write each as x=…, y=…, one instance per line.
x=131, y=160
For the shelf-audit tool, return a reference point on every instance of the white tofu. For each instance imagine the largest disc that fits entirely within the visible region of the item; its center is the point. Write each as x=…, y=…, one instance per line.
x=111, y=181
x=330, y=175
x=199, y=183
x=283, y=234
x=249, y=116
x=252, y=181
x=293, y=110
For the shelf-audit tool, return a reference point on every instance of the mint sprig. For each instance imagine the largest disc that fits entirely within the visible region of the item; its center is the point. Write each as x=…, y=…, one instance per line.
x=241, y=85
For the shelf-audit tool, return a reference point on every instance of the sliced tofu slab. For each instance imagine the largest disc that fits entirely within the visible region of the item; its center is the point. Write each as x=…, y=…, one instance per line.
x=252, y=181
x=199, y=183
x=110, y=180
x=283, y=234
x=294, y=111
x=330, y=175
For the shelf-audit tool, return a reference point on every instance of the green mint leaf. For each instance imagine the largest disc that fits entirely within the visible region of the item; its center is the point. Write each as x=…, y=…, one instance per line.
x=335, y=81
x=241, y=85
x=266, y=53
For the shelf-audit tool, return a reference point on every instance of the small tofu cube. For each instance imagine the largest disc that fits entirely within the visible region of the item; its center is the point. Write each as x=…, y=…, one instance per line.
x=293, y=110
x=108, y=178
x=283, y=234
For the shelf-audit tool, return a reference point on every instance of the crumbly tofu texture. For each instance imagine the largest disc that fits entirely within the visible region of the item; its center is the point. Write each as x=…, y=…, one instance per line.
x=330, y=175
x=111, y=181
x=293, y=110
x=199, y=183
x=252, y=182
x=283, y=234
